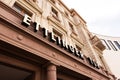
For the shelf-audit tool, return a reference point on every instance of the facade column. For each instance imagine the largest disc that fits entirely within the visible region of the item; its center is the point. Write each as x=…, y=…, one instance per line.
x=51, y=72
x=105, y=64
x=86, y=41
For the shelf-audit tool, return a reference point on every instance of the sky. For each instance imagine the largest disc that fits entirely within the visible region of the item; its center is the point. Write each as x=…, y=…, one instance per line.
x=102, y=16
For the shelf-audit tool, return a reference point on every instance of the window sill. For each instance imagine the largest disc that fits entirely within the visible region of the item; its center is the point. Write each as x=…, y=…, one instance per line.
x=52, y=19
x=55, y=18
x=33, y=4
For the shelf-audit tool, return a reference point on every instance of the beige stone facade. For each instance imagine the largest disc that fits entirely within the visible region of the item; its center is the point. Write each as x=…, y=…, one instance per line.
x=44, y=40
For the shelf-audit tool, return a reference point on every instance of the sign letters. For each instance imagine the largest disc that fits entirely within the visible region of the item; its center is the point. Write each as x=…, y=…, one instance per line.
x=60, y=42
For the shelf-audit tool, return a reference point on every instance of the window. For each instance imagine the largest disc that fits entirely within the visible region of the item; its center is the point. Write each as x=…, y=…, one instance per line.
x=112, y=45
x=78, y=48
x=34, y=0
x=106, y=44
x=71, y=27
x=66, y=14
x=57, y=34
x=21, y=10
x=54, y=12
x=52, y=1
x=117, y=44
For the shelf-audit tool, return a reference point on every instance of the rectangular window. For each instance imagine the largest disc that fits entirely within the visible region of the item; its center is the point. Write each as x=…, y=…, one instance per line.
x=112, y=45
x=57, y=34
x=55, y=13
x=106, y=44
x=21, y=10
x=117, y=44
x=66, y=14
x=52, y=1
x=71, y=27
x=78, y=47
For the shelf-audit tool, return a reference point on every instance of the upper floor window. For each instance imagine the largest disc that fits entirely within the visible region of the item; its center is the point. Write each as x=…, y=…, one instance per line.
x=117, y=44
x=57, y=34
x=106, y=44
x=53, y=1
x=66, y=14
x=34, y=0
x=55, y=14
x=71, y=27
x=21, y=10
x=78, y=48
x=112, y=45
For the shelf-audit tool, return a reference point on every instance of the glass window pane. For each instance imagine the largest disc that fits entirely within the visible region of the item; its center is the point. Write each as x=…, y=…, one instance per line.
x=117, y=44
x=112, y=45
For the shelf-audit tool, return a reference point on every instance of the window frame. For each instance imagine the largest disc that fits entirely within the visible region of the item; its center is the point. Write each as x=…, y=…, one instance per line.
x=53, y=1
x=23, y=9
x=106, y=44
x=57, y=34
x=55, y=13
x=117, y=44
x=72, y=27
x=112, y=45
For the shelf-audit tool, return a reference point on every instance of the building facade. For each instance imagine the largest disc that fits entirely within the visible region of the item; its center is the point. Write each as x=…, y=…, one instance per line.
x=112, y=52
x=44, y=40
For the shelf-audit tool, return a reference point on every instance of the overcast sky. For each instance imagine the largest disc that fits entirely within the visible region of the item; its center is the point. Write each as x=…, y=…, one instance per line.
x=102, y=16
